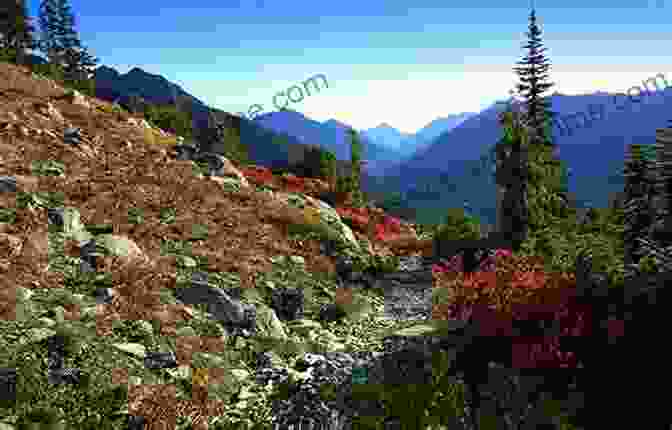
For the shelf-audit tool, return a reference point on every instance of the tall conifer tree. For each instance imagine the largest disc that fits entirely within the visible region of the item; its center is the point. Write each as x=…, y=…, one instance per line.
x=544, y=190
x=60, y=41
x=78, y=62
x=356, y=162
x=532, y=72
x=50, y=23
x=16, y=31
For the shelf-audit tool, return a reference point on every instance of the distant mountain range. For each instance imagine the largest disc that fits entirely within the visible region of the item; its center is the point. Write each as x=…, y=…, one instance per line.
x=387, y=136
x=454, y=167
x=265, y=146
x=331, y=135
x=408, y=144
x=384, y=147
x=445, y=163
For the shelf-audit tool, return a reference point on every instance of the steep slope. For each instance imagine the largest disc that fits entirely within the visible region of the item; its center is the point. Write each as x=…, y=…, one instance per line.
x=442, y=125
x=305, y=130
x=421, y=140
x=265, y=146
x=105, y=238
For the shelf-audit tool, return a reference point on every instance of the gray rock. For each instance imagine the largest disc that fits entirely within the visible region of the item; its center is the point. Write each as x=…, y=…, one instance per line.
x=235, y=316
x=331, y=312
x=136, y=422
x=186, y=152
x=7, y=384
x=56, y=216
x=72, y=136
x=405, y=362
x=65, y=376
x=103, y=295
x=88, y=256
x=288, y=303
x=160, y=360
x=7, y=184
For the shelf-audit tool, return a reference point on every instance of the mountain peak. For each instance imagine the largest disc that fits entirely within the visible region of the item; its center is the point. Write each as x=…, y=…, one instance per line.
x=106, y=69
x=335, y=123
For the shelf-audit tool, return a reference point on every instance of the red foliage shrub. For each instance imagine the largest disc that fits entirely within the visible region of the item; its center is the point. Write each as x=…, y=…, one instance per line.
x=519, y=289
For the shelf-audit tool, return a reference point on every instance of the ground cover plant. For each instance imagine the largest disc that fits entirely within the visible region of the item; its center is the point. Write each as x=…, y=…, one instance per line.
x=256, y=232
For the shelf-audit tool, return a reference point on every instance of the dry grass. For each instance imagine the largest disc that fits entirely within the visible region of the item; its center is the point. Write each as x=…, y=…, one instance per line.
x=112, y=171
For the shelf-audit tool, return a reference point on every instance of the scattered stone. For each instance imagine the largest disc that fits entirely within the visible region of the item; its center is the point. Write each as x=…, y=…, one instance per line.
x=65, y=376
x=331, y=312
x=103, y=295
x=7, y=384
x=288, y=303
x=72, y=136
x=136, y=422
x=160, y=360
x=7, y=184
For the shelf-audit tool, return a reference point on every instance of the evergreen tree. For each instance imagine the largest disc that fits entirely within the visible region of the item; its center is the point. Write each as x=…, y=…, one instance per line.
x=223, y=138
x=356, y=162
x=534, y=181
x=533, y=82
x=61, y=43
x=638, y=214
x=49, y=23
x=16, y=32
x=328, y=167
x=78, y=63
x=511, y=177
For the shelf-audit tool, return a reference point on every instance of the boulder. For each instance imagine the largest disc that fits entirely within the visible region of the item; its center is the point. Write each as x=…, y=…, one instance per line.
x=236, y=317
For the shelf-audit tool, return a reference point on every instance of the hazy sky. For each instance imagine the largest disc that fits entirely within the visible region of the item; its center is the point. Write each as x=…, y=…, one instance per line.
x=403, y=63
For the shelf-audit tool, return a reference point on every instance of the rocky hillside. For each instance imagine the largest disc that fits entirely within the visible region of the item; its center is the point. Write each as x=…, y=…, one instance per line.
x=138, y=285
x=137, y=87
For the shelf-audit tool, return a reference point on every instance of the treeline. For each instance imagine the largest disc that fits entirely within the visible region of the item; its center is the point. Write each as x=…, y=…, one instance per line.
x=67, y=59
x=322, y=163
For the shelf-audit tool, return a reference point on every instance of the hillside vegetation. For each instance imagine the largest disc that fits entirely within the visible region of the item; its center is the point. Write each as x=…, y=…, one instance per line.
x=104, y=223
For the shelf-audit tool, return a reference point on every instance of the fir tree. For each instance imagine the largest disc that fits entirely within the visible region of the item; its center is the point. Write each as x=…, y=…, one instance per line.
x=511, y=177
x=79, y=64
x=533, y=83
x=356, y=162
x=62, y=45
x=533, y=174
x=16, y=31
x=49, y=23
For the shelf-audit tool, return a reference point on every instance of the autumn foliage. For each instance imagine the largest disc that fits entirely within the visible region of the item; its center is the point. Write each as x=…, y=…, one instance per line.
x=518, y=290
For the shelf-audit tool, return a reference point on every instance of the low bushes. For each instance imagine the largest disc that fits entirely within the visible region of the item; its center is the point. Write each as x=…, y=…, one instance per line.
x=518, y=293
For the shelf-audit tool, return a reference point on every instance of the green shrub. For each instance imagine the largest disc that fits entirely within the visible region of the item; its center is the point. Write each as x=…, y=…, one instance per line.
x=391, y=202
x=170, y=119
x=383, y=264
x=457, y=226
x=327, y=164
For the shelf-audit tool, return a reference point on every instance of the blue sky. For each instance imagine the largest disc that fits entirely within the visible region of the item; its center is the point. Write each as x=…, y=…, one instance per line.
x=402, y=63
